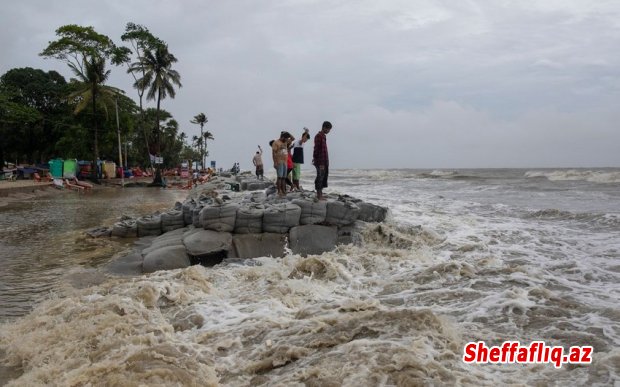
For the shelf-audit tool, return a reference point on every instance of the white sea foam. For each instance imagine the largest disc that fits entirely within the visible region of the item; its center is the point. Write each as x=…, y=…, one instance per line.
x=576, y=175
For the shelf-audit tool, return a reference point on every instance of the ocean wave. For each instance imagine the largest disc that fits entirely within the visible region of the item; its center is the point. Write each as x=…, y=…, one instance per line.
x=444, y=174
x=612, y=220
x=577, y=175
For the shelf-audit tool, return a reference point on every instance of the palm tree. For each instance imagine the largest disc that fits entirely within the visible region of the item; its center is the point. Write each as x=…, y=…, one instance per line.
x=197, y=143
x=159, y=78
x=91, y=90
x=201, y=119
x=206, y=136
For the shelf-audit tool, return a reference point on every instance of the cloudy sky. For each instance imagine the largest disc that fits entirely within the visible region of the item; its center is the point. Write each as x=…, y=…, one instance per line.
x=406, y=83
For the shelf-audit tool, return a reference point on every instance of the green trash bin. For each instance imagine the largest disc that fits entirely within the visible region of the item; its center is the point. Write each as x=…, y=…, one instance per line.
x=69, y=169
x=56, y=166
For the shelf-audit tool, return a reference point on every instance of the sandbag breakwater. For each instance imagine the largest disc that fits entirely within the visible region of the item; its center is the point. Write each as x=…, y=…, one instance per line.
x=215, y=223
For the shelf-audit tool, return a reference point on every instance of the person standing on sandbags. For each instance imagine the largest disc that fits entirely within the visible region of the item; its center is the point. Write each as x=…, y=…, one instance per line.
x=279, y=152
x=320, y=159
x=298, y=157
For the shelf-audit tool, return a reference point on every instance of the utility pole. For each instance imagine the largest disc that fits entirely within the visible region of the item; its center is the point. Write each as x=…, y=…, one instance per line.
x=120, y=149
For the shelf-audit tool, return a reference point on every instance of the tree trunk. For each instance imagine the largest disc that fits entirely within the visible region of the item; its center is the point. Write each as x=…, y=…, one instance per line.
x=96, y=127
x=157, y=180
x=202, y=147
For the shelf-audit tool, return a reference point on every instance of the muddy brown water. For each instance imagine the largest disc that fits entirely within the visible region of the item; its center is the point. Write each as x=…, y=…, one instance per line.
x=43, y=241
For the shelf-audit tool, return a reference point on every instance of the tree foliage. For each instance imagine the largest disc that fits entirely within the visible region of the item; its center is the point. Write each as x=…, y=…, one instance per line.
x=85, y=51
x=43, y=116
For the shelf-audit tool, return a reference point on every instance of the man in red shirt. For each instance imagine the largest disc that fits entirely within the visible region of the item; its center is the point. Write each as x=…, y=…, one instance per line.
x=320, y=159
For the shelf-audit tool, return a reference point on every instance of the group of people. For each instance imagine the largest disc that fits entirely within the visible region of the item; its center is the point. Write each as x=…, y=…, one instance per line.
x=288, y=156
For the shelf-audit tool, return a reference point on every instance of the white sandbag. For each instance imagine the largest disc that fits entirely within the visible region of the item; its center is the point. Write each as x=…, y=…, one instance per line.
x=341, y=212
x=249, y=219
x=279, y=218
x=219, y=217
x=312, y=211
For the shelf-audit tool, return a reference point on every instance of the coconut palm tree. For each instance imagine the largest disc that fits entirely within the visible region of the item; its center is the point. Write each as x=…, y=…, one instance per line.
x=159, y=78
x=92, y=91
x=201, y=119
x=206, y=136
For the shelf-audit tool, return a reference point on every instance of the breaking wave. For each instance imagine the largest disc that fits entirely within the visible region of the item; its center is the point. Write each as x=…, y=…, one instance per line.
x=577, y=175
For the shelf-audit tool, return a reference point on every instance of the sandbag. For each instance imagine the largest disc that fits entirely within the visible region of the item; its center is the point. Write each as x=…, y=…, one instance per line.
x=372, y=213
x=188, y=208
x=219, y=217
x=196, y=215
x=312, y=212
x=172, y=220
x=249, y=219
x=341, y=212
x=149, y=225
x=279, y=218
x=254, y=197
x=126, y=228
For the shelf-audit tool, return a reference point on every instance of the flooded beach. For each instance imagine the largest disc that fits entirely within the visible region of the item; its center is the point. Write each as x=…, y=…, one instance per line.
x=42, y=238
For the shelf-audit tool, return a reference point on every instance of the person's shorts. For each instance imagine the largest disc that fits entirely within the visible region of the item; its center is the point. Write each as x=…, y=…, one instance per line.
x=259, y=169
x=296, y=171
x=281, y=170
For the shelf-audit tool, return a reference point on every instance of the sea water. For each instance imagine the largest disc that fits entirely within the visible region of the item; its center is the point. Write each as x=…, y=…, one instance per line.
x=467, y=255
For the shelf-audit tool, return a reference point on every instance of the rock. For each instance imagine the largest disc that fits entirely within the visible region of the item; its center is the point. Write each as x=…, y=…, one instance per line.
x=312, y=211
x=312, y=239
x=341, y=212
x=279, y=218
x=249, y=219
x=166, y=258
x=371, y=212
x=219, y=217
x=208, y=247
x=258, y=245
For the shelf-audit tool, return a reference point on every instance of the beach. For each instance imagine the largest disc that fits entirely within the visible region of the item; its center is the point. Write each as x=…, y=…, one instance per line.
x=467, y=255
